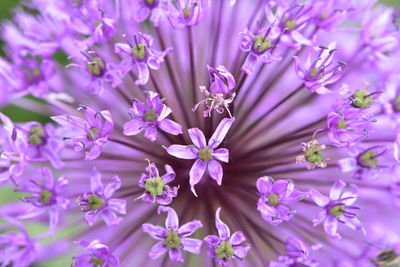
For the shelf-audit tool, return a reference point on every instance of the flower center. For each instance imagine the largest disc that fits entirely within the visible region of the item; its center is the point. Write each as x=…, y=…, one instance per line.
x=97, y=262
x=36, y=135
x=96, y=66
x=186, y=12
x=155, y=186
x=323, y=16
x=396, y=103
x=361, y=99
x=96, y=202
x=92, y=133
x=172, y=240
x=290, y=24
x=150, y=2
x=151, y=115
x=337, y=210
x=45, y=196
x=273, y=199
x=225, y=250
x=139, y=50
x=314, y=154
x=387, y=255
x=314, y=72
x=206, y=154
x=261, y=43
x=368, y=159
x=341, y=124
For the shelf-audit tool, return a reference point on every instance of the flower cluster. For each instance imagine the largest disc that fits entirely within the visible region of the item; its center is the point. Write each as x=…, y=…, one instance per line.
x=278, y=120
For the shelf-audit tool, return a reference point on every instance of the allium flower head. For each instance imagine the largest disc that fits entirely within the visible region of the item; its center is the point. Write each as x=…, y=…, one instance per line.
x=276, y=120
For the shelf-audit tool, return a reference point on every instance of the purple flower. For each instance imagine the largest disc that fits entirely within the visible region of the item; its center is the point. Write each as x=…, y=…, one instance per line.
x=206, y=155
x=173, y=238
x=95, y=254
x=98, y=72
x=337, y=208
x=275, y=197
x=150, y=117
x=328, y=13
x=313, y=154
x=319, y=72
x=259, y=46
x=99, y=202
x=87, y=135
x=156, y=186
x=140, y=57
x=347, y=125
x=17, y=248
x=48, y=195
x=297, y=254
x=366, y=162
x=220, y=95
x=224, y=247
x=157, y=10
x=187, y=12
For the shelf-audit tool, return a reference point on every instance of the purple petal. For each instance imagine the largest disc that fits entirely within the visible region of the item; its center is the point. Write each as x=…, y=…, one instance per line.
x=183, y=152
x=264, y=185
x=220, y=132
x=110, y=218
x=169, y=175
x=350, y=196
x=151, y=133
x=95, y=181
x=330, y=226
x=320, y=218
x=157, y=250
x=143, y=74
x=215, y=170
x=93, y=153
x=170, y=126
x=175, y=255
x=90, y=218
x=223, y=230
x=212, y=240
x=197, y=137
x=112, y=187
x=347, y=164
x=192, y=245
x=241, y=251
x=336, y=190
x=118, y=205
x=318, y=198
x=156, y=232
x=189, y=228
x=196, y=173
x=133, y=127
x=237, y=238
x=221, y=154
x=172, y=220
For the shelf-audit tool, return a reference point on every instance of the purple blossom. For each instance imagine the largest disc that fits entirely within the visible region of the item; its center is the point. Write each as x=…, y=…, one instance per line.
x=141, y=57
x=98, y=72
x=328, y=13
x=206, y=155
x=275, y=197
x=225, y=247
x=319, y=72
x=173, y=238
x=17, y=248
x=87, y=135
x=259, y=47
x=221, y=91
x=98, y=201
x=187, y=12
x=157, y=10
x=47, y=196
x=297, y=254
x=95, y=254
x=150, y=117
x=337, y=208
x=156, y=186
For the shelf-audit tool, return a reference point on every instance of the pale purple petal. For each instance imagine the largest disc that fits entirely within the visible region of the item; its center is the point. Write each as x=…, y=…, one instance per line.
x=118, y=205
x=320, y=218
x=143, y=74
x=95, y=181
x=169, y=175
x=183, y=152
x=212, y=240
x=197, y=137
x=350, y=196
x=221, y=154
x=170, y=126
x=196, y=173
x=215, y=170
x=133, y=127
x=110, y=218
x=336, y=190
x=157, y=250
x=156, y=232
x=151, y=133
x=241, y=251
x=172, y=220
x=223, y=229
x=175, y=255
x=318, y=198
x=330, y=226
x=237, y=238
x=347, y=164
x=112, y=187
x=189, y=228
x=264, y=184
x=220, y=132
